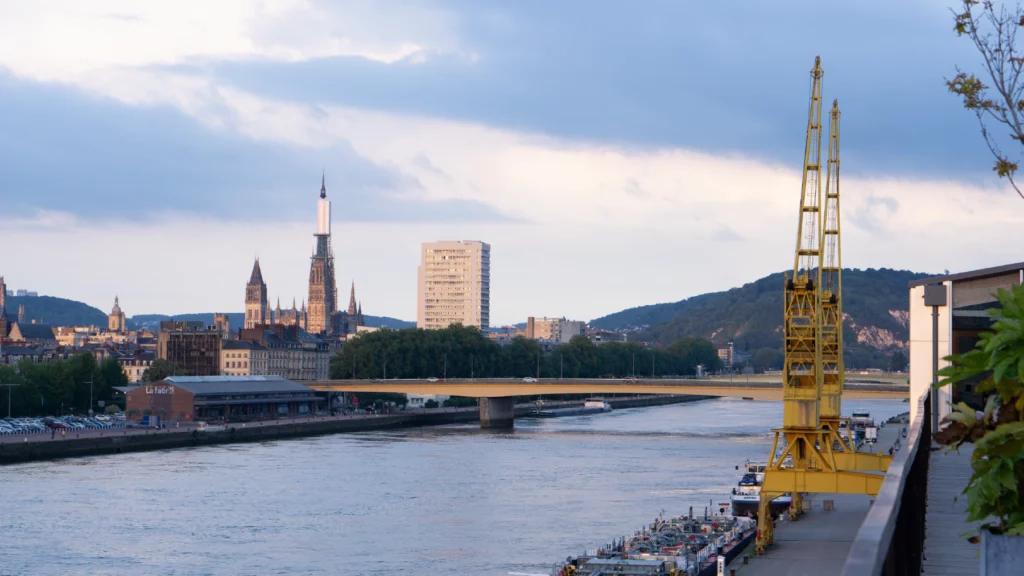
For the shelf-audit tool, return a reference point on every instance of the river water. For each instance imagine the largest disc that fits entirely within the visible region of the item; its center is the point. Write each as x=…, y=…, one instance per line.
x=425, y=501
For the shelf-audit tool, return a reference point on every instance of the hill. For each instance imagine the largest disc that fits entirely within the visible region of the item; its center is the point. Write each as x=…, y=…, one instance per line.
x=55, y=311
x=874, y=301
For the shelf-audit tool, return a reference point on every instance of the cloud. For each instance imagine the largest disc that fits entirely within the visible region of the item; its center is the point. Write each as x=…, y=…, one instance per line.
x=90, y=157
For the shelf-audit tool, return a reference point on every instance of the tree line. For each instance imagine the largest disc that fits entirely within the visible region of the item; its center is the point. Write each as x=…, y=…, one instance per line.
x=464, y=352
x=50, y=388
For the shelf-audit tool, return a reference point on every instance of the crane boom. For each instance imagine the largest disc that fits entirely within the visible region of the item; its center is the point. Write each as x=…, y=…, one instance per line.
x=830, y=282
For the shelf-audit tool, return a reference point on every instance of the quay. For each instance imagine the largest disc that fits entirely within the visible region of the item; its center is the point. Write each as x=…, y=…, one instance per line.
x=15, y=449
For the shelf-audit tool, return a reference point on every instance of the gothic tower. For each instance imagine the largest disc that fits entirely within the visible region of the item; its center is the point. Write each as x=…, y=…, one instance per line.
x=256, y=307
x=323, y=290
x=4, y=323
x=352, y=300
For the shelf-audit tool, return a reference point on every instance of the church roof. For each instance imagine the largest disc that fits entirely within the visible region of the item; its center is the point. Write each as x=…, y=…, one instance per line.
x=35, y=331
x=257, y=274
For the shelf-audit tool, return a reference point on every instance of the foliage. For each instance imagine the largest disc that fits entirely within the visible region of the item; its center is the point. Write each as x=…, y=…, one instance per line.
x=751, y=316
x=463, y=352
x=460, y=402
x=898, y=362
x=160, y=369
x=112, y=409
x=371, y=398
x=430, y=403
x=995, y=488
x=43, y=388
x=994, y=34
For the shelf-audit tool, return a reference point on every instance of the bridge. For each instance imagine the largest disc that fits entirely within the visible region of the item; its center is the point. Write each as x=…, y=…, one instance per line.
x=496, y=394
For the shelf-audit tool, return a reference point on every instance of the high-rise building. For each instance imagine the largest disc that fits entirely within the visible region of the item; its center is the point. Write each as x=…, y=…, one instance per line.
x=193, y=348
x=454, y=284
x=116, y=320
x=256, y=307
x=323, y=290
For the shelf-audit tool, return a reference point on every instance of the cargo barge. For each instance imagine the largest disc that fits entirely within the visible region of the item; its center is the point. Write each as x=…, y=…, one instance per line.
x=682, y=546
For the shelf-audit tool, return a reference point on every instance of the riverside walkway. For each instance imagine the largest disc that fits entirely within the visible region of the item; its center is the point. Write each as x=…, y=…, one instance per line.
x=946, y=550
x=819, y=542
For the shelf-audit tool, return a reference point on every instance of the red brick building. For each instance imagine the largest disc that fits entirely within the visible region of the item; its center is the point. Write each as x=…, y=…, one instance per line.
x=212, y=397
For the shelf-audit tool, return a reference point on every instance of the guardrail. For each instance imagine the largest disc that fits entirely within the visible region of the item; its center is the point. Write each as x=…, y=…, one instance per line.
x=891, y=539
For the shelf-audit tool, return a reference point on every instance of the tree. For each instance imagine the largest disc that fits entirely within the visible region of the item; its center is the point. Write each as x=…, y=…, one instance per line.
x=159, y=370
x=766, y=359
x=899, y=361
x=430, y=403
x=994, y=33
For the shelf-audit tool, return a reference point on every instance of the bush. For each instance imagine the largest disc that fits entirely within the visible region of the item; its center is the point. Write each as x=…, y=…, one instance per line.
x=430, y=404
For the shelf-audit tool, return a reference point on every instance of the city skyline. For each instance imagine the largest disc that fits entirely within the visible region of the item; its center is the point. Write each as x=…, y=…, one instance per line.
x=622, y=168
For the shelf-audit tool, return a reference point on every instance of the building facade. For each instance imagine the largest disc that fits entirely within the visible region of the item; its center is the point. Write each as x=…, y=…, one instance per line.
x=135, y=365
x=454, y=284
x=116, y=319
x=323, y=287
x=193, y=348
x=557, y=330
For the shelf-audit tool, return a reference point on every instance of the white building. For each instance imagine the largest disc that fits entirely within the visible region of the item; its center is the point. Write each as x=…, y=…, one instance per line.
x=418, y=400
x=454, y=284
x=960, y=301
x=557, y=330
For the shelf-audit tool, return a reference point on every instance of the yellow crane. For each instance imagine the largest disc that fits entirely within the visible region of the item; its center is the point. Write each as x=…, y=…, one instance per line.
x=807, y=461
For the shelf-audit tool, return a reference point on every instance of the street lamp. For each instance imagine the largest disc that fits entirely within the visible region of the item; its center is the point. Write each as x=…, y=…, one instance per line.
x=445, y=374
x=90, y=397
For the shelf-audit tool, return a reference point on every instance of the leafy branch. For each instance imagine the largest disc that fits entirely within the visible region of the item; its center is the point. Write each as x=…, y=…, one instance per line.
x=994, y=33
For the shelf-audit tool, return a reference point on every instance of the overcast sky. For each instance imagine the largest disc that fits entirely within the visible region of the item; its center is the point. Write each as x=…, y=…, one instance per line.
x=613, y=154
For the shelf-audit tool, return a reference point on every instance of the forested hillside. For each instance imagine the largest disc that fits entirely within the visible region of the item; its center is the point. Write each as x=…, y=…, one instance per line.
x=55, y=311
x=874, y=301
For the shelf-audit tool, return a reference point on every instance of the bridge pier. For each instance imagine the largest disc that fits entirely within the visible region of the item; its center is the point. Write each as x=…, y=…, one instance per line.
x=497, y=413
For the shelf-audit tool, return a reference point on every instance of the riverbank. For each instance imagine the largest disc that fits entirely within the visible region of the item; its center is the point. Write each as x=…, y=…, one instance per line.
x=14, y=449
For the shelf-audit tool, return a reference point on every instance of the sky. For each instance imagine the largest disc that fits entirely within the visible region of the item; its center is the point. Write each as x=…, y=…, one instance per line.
x=614, y=154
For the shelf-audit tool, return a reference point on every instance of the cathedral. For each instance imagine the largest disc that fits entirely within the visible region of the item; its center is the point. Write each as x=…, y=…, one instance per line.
x=321, y=316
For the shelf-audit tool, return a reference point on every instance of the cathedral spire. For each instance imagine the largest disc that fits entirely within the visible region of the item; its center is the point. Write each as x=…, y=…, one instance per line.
x=323, y=185
x=352, y=299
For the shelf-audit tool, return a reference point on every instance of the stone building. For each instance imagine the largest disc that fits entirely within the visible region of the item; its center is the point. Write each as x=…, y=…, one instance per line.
x=292, y=352
x=243, y=358
x=116, y=319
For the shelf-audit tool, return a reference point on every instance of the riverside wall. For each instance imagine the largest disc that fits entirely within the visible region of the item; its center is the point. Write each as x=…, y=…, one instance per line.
x=117, y=441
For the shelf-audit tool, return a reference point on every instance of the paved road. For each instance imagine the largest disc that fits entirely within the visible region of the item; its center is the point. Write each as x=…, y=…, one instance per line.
x=819, y=542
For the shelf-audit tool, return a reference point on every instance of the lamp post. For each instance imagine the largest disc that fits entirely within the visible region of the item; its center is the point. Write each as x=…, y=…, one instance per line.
x=935, y=296
x=634, y=365
x=90, y=397
x=561, y=367
x=445, y=374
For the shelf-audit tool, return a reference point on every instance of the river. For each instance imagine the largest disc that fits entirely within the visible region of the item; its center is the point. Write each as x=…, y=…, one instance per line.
x=423, y=501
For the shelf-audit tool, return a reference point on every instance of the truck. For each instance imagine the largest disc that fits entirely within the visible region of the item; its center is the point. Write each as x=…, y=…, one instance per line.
x=871, y=433
x=150, y=421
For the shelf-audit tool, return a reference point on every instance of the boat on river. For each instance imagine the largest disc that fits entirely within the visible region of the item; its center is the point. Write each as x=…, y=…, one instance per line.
x=746, y=496
x=588, y=407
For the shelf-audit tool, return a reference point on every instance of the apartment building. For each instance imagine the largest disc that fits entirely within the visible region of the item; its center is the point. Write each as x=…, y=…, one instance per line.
x=454, y=284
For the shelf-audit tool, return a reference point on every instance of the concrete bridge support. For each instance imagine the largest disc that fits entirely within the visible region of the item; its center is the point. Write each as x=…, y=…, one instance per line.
x=497, y=413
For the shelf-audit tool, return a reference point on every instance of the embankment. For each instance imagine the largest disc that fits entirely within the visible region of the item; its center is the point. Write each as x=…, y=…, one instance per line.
x=118, y=441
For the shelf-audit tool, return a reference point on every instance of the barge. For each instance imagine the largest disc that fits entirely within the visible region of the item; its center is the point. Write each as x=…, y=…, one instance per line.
x=683, y=546
x=589, y=407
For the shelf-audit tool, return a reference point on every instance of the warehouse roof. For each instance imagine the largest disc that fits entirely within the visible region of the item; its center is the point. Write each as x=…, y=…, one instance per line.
x=972, y=275
x=220, y=385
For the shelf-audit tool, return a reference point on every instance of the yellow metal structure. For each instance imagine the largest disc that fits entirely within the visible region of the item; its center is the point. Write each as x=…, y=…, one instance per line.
x=813, y=372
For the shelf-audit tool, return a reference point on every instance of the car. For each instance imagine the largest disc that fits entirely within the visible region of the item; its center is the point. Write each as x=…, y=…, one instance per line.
x=630, y=380
x=528, y=379
x=432, y=379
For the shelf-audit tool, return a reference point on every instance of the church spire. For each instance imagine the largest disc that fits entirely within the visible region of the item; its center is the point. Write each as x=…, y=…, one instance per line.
x=352, y=299
x=323, y=185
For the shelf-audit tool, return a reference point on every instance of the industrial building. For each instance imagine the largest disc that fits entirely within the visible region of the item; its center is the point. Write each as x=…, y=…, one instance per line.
x=950, y=311
x=236, y=398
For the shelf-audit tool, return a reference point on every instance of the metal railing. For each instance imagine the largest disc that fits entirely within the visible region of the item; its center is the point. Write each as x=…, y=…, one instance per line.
x=891, y=539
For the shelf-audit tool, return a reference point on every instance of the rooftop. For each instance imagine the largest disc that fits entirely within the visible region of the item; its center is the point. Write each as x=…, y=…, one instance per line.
x=971, y=275
x=219, y=385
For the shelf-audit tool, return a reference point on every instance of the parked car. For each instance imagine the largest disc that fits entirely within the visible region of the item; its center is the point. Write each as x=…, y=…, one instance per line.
x=528, y=379
x=431, y=379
